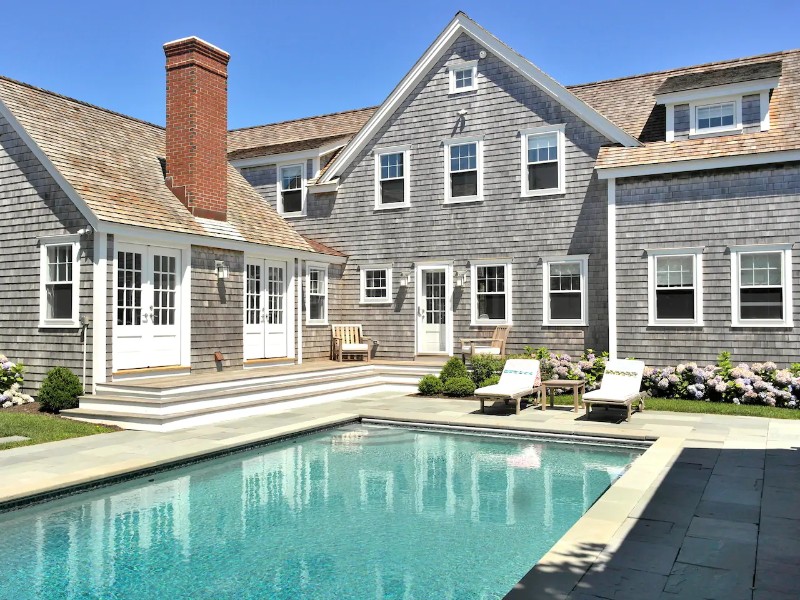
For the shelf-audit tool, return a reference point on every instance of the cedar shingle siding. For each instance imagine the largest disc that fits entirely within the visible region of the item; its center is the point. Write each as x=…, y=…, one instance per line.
x=503, y=225
x=33, y=205
x=714, y=209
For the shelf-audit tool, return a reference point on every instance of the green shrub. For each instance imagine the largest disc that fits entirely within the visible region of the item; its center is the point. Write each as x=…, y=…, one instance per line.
x=486, y=365
x=60, y=390
x=794, y=368
x=725, y=363
x=459, y=387
x=430, y=385
x=492, y=380
x=453, y=368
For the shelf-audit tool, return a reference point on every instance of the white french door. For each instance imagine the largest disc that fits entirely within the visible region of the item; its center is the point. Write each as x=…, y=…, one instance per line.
x=434, y=311
x=147, y=302
x=265, y=327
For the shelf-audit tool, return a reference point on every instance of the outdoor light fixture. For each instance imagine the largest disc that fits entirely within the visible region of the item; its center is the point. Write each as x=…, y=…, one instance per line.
x=222, y=269
x=460, y=278
x=403, y=278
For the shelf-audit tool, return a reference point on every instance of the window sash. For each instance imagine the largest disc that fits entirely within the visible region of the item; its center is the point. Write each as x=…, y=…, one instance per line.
x=59, y=279
x=392, y=166
x=290, y=183
x=761, y=286
x=461, y=161
x=376, y=284
x=491, y=289
x=565, y=292
x=317, y=294
x=720, y=115
x=464, y=78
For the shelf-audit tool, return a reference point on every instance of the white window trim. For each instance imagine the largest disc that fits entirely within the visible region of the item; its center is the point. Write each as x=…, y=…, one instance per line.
x=479, y=164
x=363, y=277
x=524, y=134
x=44, y=243
x=279, y=188
x=472, y=64
x=406, y=151
x=509, y=286
x=324, y=268
x=583, y=259
x=697, y=254
x=737, y=117
x=788, y=311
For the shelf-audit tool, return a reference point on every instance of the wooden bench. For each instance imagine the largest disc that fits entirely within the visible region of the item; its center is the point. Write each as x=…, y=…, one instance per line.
x=496, y=345
x=348, y=340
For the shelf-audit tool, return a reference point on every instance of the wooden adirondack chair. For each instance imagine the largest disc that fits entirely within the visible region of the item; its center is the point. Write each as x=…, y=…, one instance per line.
x=496, y=345
x=348, y=340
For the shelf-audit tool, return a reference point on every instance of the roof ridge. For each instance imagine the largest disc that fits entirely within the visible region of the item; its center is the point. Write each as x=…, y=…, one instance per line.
x=675, y=69
x=75, y=100
x=340, y=112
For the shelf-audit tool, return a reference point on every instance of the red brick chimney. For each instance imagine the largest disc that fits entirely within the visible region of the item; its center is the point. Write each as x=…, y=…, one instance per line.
x=197, y=126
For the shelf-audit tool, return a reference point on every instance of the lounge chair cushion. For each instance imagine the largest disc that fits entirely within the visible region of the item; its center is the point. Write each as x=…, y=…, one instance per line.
x=609, y=396
x=354, y=347
x=481, y=350
x=503, y=391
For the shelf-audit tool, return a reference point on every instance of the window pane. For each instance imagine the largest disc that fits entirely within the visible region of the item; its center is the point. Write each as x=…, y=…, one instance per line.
x=543, y=176
x=59, y=301
x=293, y=201
x=463, y=78
x=375, y=283
x=675, y=304
x=292, y=177
x=492, y=306
x=565, y=306
x=392, y=165
x=464, y=184
x=715, y=115
x=464, y=157
x=317, y=308
x=393, y=191
x=543, y=147
x=314, y=281
x=674, y=271
x=761, y=303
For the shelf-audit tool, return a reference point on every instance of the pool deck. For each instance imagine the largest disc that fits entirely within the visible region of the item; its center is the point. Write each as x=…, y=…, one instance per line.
x=709, y=511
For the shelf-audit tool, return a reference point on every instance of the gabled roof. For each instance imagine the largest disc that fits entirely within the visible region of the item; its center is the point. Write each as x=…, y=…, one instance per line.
x=298, y=134
x=712, y=77
x=110, y=163
x=462, y=24
x=631, y=102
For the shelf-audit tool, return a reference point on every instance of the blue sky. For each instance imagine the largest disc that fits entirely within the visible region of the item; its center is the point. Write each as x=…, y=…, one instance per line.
x=293, y=59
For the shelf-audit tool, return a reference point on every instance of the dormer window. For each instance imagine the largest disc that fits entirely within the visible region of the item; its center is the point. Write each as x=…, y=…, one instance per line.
x=464, y=77
x=715, y=117
x=292, y=190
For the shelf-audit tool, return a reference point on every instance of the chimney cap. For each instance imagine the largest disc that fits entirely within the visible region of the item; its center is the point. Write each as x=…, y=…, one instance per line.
x=191, y=41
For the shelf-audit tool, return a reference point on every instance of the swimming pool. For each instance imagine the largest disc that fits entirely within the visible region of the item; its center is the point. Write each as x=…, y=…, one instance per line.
x=360, y=511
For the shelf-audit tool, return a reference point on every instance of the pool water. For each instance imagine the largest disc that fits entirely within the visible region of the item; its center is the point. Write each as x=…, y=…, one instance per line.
x=356, y=512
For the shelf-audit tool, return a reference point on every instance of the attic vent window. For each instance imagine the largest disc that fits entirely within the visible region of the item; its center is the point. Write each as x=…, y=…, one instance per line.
x=464, y=77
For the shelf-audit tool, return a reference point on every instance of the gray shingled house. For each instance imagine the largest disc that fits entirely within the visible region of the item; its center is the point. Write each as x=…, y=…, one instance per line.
x=124, y=246
x=653, y=215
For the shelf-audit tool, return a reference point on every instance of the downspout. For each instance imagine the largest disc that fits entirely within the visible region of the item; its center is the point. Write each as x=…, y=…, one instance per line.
x=612, y=268
x=299, y=278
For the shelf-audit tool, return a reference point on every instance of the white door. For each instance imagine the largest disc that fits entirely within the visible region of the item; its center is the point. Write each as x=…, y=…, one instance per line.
x=433, y=310
x=146, y=307
x=265, y=310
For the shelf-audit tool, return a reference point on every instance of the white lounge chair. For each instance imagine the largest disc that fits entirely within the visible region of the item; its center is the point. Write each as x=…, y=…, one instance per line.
x=520, y=378
x=620, y=386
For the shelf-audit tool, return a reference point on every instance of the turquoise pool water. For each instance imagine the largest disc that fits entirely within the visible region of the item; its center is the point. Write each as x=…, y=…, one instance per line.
x=356, y=512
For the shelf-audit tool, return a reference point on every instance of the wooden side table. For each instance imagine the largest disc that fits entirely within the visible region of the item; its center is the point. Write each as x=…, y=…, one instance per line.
x=578, y=387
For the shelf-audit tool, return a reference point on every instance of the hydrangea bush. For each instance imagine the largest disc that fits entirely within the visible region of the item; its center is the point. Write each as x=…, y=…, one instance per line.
x=759, y=383
x=11, y=383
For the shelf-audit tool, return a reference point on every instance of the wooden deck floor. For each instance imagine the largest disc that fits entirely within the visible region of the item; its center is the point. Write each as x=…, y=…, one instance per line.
x=308, y=366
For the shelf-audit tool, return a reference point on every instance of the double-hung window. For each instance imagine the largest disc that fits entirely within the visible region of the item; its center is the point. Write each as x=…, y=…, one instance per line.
x=391, y=178
x=675, y=280
x=376, y=285
x=543, y=160
x=464, y=169
x=59, y=282
x=463, y=77
x=761, y=286
x=565, y=283
x=317, y=295
x=291, y=190
x=491, y=293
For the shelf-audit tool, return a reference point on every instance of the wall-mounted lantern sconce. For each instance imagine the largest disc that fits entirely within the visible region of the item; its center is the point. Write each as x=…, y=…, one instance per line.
x=404, y=278
x=460, y=278
x=221, y=268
